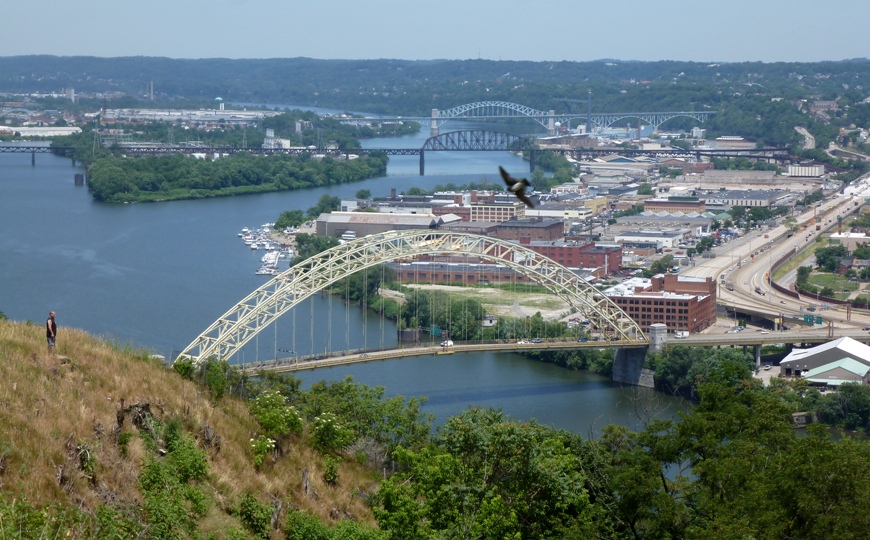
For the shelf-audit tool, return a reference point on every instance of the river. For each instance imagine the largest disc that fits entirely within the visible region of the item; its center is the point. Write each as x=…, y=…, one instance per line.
x=156, y=275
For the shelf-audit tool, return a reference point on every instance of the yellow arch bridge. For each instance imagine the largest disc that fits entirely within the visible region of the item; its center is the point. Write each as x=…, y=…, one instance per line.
x=282, y=293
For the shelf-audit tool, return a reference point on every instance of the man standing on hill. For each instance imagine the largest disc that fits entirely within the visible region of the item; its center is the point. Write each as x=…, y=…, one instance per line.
x=50, y=331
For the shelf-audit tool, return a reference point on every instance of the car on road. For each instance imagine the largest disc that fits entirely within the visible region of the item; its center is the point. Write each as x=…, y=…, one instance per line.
x=766, y=367
x=583, y=340
x=536, y=340
x=522, y=342
x=765, y=332
x=866, y=328
x=782, y=301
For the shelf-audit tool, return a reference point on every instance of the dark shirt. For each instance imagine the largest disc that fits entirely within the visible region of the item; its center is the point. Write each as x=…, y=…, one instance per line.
x=50, y=328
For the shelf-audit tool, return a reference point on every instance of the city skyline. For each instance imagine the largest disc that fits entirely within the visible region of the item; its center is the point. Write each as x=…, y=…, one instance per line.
x=552, y=30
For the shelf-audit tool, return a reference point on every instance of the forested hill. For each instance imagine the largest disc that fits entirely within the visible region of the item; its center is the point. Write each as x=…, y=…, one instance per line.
x=415, y=87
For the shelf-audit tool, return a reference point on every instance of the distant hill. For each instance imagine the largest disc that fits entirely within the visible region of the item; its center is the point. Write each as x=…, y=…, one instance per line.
x=415, y=87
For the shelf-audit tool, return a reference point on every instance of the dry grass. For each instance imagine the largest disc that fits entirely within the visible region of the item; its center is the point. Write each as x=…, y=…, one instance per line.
x=502, y=302
x=52, y=409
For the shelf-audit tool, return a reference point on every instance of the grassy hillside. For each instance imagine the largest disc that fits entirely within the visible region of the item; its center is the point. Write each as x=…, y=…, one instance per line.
x=75, y=431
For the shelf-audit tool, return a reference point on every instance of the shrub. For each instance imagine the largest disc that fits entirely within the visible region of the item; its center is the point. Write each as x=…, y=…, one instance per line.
x=330, y=470
x=274, y=415
x=190, y=462
x=261, y=446
x=329, y=434
x=255, y=516
x=184, y=367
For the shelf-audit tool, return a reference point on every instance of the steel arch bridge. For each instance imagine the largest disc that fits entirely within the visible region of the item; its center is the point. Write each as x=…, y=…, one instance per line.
x=654, y=118
x=283, y=292
x=13, y=110
x=492, y=109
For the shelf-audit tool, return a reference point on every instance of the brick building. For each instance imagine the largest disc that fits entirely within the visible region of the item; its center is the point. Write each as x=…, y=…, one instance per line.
x=534, y=229
x=680, y=302
x=674, y=204
x=579, y=255
x=467, y=274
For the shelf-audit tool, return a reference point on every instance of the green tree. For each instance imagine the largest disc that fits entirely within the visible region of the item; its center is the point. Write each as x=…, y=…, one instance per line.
x=290, y=219
x=645, y=189
x=828, y=258
x=487, y=477
x=325, y=205
x=363, y=194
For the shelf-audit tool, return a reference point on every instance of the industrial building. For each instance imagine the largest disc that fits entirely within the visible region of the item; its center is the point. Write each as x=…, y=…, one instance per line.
x=682, y=303
x=534, y=229
x=366, y=223
x=675, y=204
x=824, y=363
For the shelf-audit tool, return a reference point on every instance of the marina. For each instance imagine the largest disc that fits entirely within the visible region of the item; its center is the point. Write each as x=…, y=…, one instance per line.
x=261, y=239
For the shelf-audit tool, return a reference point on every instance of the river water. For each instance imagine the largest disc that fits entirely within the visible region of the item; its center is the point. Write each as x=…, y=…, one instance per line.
x=156, y=275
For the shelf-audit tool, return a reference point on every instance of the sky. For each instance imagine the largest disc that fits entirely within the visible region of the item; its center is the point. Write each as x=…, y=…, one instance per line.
x=537, y=30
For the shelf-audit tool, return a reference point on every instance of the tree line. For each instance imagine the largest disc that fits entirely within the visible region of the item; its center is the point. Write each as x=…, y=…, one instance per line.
x=150, y=179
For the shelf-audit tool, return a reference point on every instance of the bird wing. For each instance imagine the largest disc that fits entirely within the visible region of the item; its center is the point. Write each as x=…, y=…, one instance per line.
x=510, y=181
x=521, y=195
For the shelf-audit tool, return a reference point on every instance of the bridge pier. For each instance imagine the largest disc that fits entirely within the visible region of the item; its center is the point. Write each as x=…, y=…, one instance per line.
x=758, y=356
x=628, y=368
x=433, y=127
x=422, y=162
x=551, y=123
x=33, y=158
x=531, y=161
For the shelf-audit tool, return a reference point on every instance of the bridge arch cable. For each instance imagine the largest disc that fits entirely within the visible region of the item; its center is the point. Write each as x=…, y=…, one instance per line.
x=230, y=332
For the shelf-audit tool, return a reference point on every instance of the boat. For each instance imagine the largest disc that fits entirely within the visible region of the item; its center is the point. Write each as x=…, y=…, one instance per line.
x=267, y=271
x=255, y=245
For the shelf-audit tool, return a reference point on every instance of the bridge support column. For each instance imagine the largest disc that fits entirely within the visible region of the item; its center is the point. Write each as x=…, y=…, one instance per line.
x=758, y=356
x=551, y=124
x=628, y=368
x=658, y=337
x=531, y=161
x=33, y=158
x=433, y=127
x=422, y=162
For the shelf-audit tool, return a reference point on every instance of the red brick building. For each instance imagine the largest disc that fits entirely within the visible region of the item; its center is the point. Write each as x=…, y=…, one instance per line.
x=579, y=255
x=680, y=302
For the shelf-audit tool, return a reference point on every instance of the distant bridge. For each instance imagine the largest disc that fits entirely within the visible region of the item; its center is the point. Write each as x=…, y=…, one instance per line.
x=499, y=110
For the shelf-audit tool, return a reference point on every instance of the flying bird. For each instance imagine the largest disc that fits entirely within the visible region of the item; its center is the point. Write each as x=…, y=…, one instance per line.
x=517, y=187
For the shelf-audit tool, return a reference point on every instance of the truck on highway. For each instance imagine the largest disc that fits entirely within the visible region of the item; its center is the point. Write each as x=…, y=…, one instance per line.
x=681, y=334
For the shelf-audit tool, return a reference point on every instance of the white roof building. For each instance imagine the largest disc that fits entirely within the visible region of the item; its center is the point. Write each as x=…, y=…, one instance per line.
x=802, y=360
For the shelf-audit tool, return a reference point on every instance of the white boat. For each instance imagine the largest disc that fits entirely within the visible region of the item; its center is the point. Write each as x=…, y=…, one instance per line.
x=267, y=271
x=255, y=245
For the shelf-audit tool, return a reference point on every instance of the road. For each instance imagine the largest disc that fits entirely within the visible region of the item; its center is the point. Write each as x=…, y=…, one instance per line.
x=747, y=261
x=809, y=140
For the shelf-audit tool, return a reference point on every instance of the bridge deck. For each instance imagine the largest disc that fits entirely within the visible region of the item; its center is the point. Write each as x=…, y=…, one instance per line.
x=311, y=362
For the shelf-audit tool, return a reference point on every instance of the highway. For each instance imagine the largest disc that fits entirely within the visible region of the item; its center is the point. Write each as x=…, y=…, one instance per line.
x=746, y=261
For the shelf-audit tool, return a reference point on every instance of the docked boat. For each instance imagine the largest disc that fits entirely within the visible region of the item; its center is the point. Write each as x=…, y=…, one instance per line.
x=267, y=271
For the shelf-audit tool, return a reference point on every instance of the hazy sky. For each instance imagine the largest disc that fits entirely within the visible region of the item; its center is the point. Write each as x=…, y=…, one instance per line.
x=577, y=30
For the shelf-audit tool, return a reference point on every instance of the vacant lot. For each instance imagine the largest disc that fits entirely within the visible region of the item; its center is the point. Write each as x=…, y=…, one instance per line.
x=505, y=302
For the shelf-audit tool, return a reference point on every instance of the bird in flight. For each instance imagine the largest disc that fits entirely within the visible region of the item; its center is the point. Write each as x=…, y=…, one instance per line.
x=517, y=187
